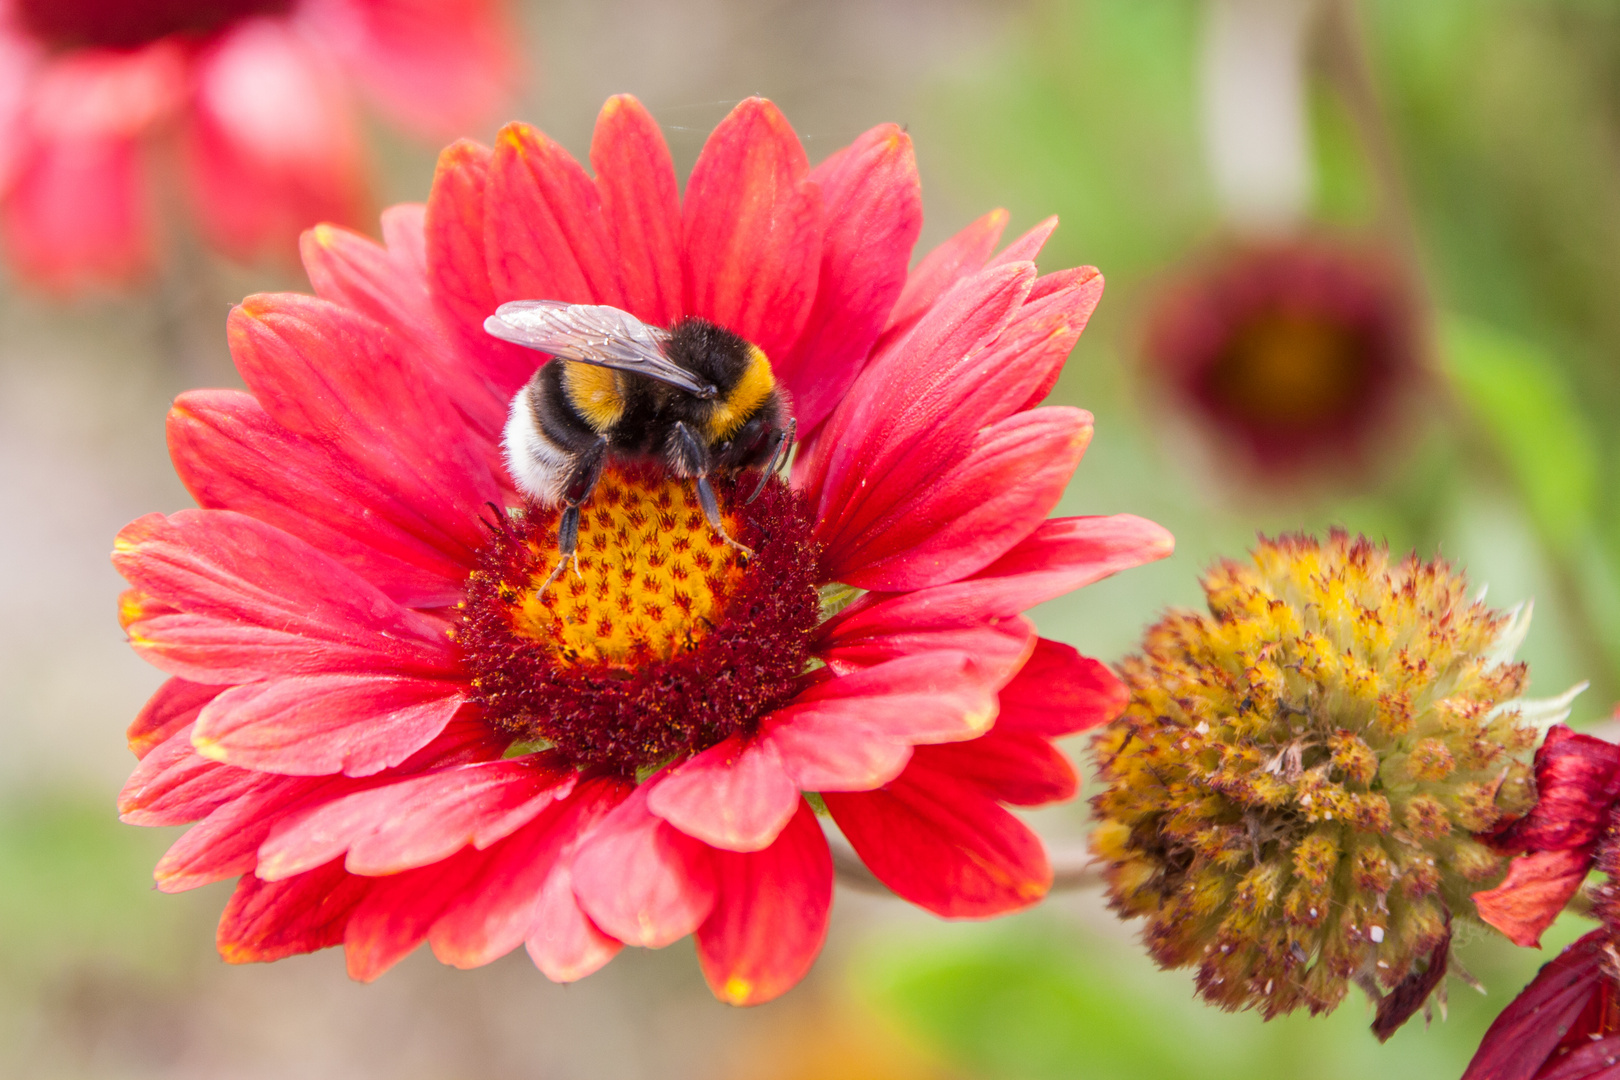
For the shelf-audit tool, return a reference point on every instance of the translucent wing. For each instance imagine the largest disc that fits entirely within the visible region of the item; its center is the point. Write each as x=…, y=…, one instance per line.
x=592, y=334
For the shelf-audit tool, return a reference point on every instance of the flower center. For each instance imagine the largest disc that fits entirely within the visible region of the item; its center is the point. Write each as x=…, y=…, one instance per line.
x=1289, y=370
x=663, y=642
x=125, y=24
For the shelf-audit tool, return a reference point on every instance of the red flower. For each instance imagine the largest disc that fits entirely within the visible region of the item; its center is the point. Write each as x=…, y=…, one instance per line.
x=1291, y=357
x=1564, y=1026
x=259, y=93
x=387, y=730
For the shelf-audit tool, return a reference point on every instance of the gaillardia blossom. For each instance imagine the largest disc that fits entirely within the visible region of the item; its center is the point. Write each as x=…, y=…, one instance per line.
x=256, y=93
x=1290, y=357
x=393, y=733
x=1295, y=790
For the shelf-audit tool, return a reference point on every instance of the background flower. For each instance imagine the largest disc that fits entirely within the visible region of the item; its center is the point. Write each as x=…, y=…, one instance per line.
x=259, y=96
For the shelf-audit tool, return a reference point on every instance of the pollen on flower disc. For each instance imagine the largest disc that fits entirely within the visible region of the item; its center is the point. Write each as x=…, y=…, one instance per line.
x=664, y=641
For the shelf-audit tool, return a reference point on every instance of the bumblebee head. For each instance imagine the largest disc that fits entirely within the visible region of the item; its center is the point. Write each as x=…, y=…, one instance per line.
x=737, y=368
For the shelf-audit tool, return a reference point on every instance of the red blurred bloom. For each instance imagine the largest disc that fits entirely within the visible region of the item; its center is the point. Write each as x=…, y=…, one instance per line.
x=259, y=93
x=1291, y=357
x=384, y=730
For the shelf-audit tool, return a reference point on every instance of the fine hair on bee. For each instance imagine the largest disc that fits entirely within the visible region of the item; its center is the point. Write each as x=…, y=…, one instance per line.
x=695, y=399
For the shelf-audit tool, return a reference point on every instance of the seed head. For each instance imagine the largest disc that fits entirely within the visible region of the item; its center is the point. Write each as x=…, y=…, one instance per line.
x=1291, y=796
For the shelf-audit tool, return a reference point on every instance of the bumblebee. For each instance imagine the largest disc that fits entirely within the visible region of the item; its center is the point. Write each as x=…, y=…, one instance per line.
x=696, y=399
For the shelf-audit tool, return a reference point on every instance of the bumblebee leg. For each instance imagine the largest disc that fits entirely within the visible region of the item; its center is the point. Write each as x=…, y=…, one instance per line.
x=779, y=455
x=690, y=458
x=577, y=489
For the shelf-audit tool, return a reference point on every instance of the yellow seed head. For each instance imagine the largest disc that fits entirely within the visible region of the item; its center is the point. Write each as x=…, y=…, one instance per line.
x=1289, y=798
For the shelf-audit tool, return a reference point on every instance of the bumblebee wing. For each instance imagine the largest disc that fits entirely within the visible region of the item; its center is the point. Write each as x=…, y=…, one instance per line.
x=592, y=334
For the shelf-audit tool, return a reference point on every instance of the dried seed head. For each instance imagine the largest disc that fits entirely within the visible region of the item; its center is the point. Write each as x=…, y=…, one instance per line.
x=1290, y=796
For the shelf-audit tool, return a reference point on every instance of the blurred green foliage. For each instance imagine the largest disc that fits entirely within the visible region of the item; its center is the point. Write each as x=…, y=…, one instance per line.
x=1044, y=998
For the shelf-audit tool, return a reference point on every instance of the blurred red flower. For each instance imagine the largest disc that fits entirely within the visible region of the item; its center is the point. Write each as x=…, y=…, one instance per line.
x=1290, y=357
x=259, y=95
x=384, y=729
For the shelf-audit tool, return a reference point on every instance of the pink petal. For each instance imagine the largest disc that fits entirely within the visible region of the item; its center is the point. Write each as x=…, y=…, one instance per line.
x=641, y=879
x=315, y=725
x=341, y=379
x=231, y=455
x=895, y=429
x=1059, y=692
x=1027, y=246
x=237, y=600
x=436, y=68
x=770, y=914
x=889, y=628
x=945, y=846
x=544, y=233
x=77, y=213
x=404, y=229
x=1534, y=893
x=272, y=145
x=1060, y=556
x=399, y=910
x=1523, y=1038
x=961, y=256
x=174, y=784
x=566, y=946
x=854, y=732
x=735, y=796
x=873, y=215
x=1011, y=766
x=358, y=273
x=752, y=230
x=175, y=705
x=508, y=902
x=416, y=821
x=973, y=514
x=640, y=208
x=458, y=269
x=266, y=921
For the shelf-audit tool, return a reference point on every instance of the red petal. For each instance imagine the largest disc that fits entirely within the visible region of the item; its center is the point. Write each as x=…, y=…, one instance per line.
x=1577, y=779
x=240, y=600
x=1060, y=556
x=944, y=845
x=225, y=843
x=272, y=145
x=853, y=732
x=77, y=215
x=1594, y=1061
x=399, y=910
x=641, y=879
x=174, y=706
x=751, y=229
x=417, y=821
x=770, y=914
x=1015, y=767
x=974, y=513
x=315, y=725
x=895, y=431
x=1522, y=1039
x=360, y=274
x=1027, y=246
x=506, y=904
x=1534, y=892
x=961, y=256
x=174, y=784
x=640, y=208
x=436, y=68
x=343, y=380
x=271, y=920
x=873, y=213
x=566, y=946
x=544, y=234
x=231, y=455
x=890, y=627
x=736, y=796
x=1060, y=692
